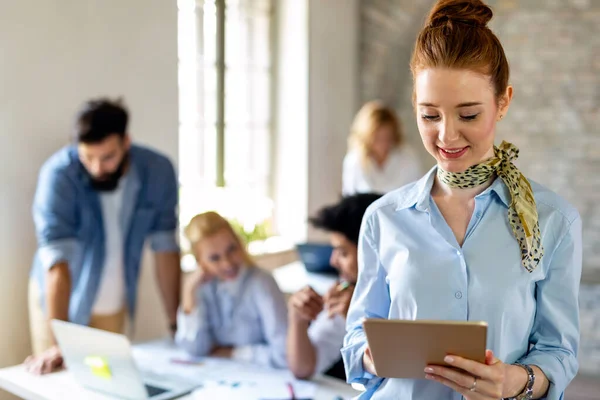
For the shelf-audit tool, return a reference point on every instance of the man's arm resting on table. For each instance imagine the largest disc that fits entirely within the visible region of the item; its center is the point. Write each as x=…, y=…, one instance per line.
x=302, y=357
x=168, y=275
x=58, y=293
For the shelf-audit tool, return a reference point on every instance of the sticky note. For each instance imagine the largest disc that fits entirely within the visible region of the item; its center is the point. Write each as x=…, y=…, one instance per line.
x=99, y=367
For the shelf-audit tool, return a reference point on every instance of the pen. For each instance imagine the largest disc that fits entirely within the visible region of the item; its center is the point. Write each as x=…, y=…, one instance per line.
x=342, y=286
x=185, y=362
x=291, y=389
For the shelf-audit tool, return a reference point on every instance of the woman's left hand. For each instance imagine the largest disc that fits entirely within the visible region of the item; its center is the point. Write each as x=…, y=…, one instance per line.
x=472, y=379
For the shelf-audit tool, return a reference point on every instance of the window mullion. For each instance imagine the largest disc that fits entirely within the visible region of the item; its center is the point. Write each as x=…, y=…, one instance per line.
x=220, y=61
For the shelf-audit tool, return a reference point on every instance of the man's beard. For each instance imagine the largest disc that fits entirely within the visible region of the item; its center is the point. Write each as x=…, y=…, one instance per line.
x=109, y=182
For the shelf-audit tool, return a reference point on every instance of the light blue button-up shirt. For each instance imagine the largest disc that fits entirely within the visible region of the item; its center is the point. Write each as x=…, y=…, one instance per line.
x=248, y=314
x=69, y=223
x=411, y=267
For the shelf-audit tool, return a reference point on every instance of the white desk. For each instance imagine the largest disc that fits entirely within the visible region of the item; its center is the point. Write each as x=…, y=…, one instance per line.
x=155, y=358
x=293, y=277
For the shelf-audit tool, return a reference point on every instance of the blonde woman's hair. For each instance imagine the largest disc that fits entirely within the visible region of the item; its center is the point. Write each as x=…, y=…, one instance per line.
x=208, y=224
x=372, y=116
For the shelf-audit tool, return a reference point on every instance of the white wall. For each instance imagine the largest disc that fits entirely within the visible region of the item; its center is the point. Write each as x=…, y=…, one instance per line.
x=333, y=95
x=291, y=119
x=55, y=54
x=317, y=100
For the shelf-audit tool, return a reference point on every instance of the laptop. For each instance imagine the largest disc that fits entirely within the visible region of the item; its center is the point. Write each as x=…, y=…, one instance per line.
x=102, y=361
x=315, y=257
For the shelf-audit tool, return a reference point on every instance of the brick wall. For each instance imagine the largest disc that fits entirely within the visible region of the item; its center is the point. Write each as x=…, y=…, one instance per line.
x=553, y=47
x=388, y=31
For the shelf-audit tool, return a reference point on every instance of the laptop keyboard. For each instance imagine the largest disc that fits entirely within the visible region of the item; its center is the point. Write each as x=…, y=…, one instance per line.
x=154, y=391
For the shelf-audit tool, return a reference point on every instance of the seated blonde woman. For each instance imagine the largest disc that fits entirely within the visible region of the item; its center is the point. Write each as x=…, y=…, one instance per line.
x=230, y=308
x=378, y=159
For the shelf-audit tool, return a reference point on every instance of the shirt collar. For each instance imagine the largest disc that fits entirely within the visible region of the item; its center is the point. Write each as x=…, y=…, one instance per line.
x=419, y=195
x=233, y=287
x=501, y=190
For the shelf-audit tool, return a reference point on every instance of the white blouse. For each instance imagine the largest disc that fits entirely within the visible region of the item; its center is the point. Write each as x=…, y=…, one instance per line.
x=401, y=167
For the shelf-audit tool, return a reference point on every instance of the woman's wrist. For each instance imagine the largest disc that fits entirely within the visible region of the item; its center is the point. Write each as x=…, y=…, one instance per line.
x=188, y=301
x=516, y=381
x=187, y=304
x=295, y=321
x=365, y=362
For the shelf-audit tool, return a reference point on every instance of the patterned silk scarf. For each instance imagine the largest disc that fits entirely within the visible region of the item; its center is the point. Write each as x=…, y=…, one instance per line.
x=522, y=213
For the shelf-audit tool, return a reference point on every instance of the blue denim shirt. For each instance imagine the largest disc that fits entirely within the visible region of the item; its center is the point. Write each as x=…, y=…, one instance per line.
x=411, y=267
x=69, y=225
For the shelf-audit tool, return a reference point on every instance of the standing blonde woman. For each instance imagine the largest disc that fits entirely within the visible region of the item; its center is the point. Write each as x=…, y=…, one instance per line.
x=474, y=239
x=230, y=308
x=379, y=160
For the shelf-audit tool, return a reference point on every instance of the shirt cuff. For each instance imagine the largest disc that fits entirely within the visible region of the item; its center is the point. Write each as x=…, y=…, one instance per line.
x=163, y=242
x=242, y=353
x=353, y=362
x=556, y=370
x=188, y=325
x=56, y=251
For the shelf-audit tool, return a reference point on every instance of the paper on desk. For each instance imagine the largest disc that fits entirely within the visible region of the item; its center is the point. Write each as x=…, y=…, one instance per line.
x=215, y=375
x=220, y=378
x=261, y=388
x=158, y=364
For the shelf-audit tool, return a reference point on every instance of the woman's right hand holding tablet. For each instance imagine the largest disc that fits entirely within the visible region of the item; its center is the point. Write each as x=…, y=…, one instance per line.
x=368, y=364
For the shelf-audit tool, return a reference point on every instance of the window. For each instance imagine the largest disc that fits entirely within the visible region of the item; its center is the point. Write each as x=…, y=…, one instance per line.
x=225, y=84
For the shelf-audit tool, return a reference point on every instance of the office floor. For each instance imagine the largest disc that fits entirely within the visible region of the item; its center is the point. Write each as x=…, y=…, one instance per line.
x=584, y=388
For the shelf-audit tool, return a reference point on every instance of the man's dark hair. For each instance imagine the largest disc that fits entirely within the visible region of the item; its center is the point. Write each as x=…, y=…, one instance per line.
x=100, y=118
x=346, y=216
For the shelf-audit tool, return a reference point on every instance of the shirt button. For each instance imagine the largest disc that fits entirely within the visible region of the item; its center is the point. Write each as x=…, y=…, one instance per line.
x=478, y=215
x=458, y=253
x=458, y=295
